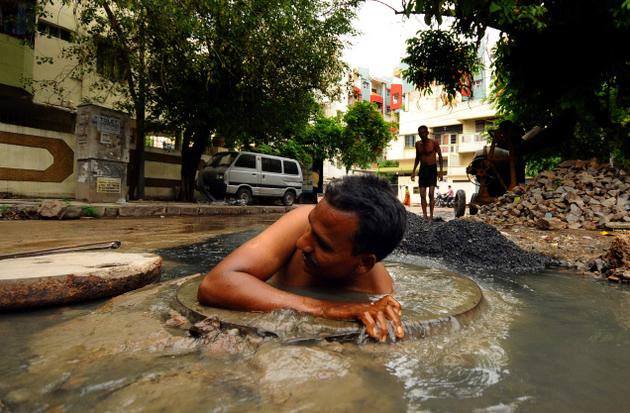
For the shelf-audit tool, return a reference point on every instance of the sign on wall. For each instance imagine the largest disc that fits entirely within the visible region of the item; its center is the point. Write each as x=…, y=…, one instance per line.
x=108, y=185
x=107, y=124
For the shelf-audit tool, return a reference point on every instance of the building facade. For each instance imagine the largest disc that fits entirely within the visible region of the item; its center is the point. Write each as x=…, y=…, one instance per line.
x=458, y=127
x=385, y=92
x=37, y=122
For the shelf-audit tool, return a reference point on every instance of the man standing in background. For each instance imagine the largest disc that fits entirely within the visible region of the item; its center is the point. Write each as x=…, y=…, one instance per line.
x=426, y=151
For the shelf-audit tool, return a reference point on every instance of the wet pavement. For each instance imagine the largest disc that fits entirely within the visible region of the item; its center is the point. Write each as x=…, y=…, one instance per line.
x=136, y=234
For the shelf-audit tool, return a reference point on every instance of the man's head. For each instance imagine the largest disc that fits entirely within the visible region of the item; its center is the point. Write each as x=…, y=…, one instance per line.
x=423, y=131
x=358, y=223
x=449, y=187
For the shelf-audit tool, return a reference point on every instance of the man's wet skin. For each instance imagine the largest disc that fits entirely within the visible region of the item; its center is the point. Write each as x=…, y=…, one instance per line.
x=309, y=247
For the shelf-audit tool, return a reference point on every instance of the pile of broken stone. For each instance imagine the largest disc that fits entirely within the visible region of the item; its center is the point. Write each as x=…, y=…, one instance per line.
x=576, y=195
x=614, y=264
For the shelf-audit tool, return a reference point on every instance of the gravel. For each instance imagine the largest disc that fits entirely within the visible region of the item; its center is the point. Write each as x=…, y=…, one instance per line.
x=469, y=247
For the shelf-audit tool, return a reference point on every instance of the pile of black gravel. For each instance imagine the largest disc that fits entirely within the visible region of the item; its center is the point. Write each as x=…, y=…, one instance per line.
x=468, y=247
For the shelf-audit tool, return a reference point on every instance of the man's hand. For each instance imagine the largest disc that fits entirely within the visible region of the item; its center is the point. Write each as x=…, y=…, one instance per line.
x=413, y=176
x=375, y=316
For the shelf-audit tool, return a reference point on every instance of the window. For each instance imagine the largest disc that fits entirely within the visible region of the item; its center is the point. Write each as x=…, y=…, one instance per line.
x=246, y=161
x=17, y=18
x=478, y=86
x=290, y=168
x=48, y=29
x=162, y=142
x=271, y=165
x=453, y=139
x=410, y=141
x=110, y=61
x=480, y=125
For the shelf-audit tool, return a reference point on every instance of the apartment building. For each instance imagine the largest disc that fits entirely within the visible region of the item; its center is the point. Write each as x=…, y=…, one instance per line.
x=385, y=92
x=458, y=127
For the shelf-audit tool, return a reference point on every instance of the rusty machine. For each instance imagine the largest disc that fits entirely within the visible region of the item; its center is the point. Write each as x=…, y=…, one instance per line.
x=497, y=168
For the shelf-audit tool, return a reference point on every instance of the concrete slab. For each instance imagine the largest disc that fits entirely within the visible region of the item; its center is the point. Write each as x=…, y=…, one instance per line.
x=72, y=277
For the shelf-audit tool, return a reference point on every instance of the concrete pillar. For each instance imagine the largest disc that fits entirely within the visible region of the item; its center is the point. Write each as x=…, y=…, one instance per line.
x=102, y=154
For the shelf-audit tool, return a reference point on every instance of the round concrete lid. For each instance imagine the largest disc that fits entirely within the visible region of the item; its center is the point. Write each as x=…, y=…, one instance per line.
x=71, y=277
x=294, y=327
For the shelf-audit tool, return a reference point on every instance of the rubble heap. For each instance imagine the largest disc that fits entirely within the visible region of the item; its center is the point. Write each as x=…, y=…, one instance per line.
x=615, y=263
x=576, y=194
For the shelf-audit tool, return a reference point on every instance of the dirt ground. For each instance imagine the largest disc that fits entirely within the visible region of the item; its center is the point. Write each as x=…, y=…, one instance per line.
x=574, y=247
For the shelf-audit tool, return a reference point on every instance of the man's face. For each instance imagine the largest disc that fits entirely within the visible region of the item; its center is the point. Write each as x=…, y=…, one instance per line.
x=328, y=243
x=424, y=133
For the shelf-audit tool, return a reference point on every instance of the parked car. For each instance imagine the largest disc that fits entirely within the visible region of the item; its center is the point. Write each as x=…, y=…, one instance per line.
x=248, y=175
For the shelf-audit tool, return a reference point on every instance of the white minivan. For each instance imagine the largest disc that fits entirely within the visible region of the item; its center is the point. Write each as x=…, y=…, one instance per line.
x=246, y=175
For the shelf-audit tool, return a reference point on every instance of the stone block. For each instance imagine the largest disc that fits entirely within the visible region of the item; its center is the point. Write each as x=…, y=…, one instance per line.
x=72, y=212
x=141, y=210
x=173, y=210
x=111, y=212
x=52, y=208
x=189, y=210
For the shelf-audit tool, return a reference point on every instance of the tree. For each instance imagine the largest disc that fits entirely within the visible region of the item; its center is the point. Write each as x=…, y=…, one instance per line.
x=358, y=138
x=247, y=71
x=365, y=136
x=560, y=63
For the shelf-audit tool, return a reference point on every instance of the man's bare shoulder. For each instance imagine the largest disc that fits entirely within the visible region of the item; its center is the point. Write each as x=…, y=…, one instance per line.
x=297, y=215
x=287, y=229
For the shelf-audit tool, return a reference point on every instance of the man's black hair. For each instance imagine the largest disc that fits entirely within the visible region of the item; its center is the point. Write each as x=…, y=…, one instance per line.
x=382, y=217
x=423, y=127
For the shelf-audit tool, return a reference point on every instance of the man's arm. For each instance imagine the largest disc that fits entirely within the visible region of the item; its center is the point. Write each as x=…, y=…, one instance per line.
x=238, y=282
x=416, y=161
x=439, y=154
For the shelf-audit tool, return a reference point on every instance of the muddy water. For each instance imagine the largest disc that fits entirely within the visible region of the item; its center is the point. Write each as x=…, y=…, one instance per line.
x=543, y=342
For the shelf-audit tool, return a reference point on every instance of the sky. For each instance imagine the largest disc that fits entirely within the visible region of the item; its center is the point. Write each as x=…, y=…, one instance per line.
x=380, y=43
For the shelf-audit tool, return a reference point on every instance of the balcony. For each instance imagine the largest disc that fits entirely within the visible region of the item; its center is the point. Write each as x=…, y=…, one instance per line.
x=376, y=98
x=470, y=143
x=446, y=149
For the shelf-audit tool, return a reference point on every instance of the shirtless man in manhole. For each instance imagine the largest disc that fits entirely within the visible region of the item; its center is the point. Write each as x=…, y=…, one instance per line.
x=337, y=245
x=426, y=151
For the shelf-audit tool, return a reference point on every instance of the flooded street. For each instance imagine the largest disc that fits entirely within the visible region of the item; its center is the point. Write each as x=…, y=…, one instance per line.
x=546, y=342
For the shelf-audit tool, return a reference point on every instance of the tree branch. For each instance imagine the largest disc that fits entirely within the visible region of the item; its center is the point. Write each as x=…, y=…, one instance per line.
x=125, y=47
x=388, y=6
